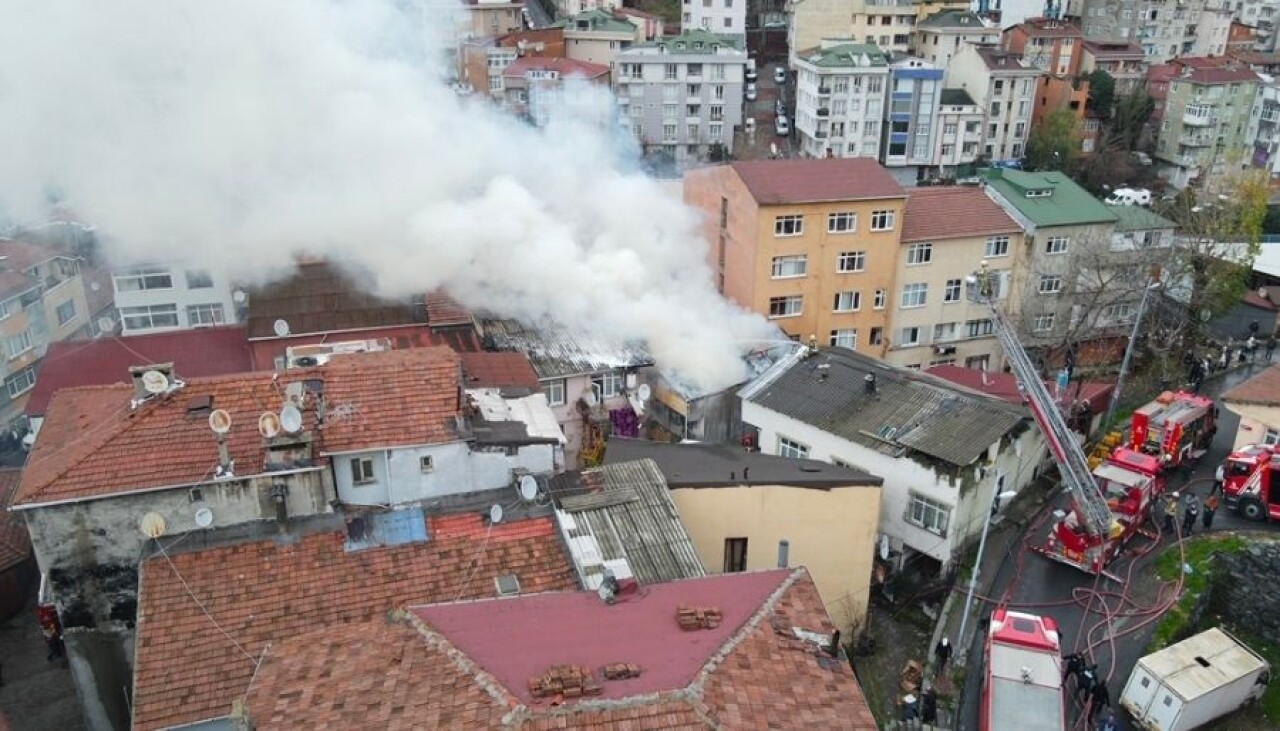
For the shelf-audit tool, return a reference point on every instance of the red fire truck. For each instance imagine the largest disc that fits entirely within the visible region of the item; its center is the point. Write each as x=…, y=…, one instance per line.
x=1023, y=687
x=1176, y=427
x=1251, y=481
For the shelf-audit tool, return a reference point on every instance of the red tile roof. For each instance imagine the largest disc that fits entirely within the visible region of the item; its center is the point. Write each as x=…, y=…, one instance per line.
x=567, y=67
x=780, y=182
x=1263, y=389
x=1004, y=386
x=484, y=653
x=953, y=212
x=93, y=444
x=445, y=311
x=498, y=370
x=1253, y=299
x=1104, y=50
x=1049, y=28
x=196, y=353
x=15, y=541
x=267, y=593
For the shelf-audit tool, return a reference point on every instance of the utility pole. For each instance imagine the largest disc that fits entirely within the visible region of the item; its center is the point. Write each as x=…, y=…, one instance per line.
x=1128, y=351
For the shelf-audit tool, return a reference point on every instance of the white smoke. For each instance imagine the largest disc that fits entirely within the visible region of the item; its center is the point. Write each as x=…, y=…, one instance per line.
x=238, y=134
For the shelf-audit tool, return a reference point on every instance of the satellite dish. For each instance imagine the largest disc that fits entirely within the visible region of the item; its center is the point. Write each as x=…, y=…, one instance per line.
x=239, y=296
x=268, y=424
x=644, y=392
x=220, y=421
x=155, y=382
x=152, y=525
x=528, y=488
x=281, y=328
x=591, y=398
x=204, y=517
x=106, y=324
x=95, y=286
x=495, y=514
x=291, y=419
x=884, y=548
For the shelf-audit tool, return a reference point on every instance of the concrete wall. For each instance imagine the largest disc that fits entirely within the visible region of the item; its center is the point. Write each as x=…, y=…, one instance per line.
x=456, y=468
x=831, y=532
x=1255, y=422
x=181, y=296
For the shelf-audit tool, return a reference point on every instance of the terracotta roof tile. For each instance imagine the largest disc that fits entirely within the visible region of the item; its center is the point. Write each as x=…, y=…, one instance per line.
x=319, y=298
x=15, y=541
x=266, y=592
x=498, y=370
x=445, y=311
x=93, y=444
x=567, y=67
x=1263, y=389
x=953, y=212
x=781, y=182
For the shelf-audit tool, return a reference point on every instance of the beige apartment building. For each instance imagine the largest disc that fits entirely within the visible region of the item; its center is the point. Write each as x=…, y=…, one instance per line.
x=947, y=233
x=811, y=244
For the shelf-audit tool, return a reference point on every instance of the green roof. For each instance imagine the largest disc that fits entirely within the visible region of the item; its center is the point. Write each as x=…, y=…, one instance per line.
x=843, y=55
x=695, y=41
x=960, y=19
x=1137, y=218
x=1047, y=198
x=598, y=20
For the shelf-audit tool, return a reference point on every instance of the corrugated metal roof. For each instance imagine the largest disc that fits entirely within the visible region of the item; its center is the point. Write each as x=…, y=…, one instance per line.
x=555, y=352
x=623, y=512
x=908, y=411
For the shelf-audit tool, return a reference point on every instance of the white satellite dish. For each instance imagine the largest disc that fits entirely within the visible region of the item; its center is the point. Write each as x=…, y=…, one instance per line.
x=281, y=328
x=495, y=514
x=291, y=419
x=591, y=398
x=644, y=392
x=152, y=525
x=204, y=517
x=106, y=324
x=268, y=424
x=155, y=382
x=220, y=421
x=239, y=296
x=884, y=548
x=528, y=488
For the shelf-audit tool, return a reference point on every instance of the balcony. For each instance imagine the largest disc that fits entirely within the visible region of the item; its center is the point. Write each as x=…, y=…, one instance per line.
x=824, y=91
x=824, y=112
x=1199, y=117
x=1196, y=140
x=820, y=134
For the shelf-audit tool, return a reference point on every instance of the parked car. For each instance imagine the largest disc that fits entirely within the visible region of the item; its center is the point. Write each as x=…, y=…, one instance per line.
x=750, y=92
x=1129, y=197
x=751, y=74
x=779, y=108
x=779, y=75
x=782, y=126
x=750, y=124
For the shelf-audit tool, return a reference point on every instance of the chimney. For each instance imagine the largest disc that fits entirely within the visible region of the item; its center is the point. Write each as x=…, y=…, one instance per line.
x=870, y=381
x=834, y=648
x=745, y=471
x=224, y=455
x=279, y=491
x=784, y=553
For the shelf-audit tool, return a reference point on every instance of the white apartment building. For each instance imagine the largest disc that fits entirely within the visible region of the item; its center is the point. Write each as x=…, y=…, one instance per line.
x=597, y=36
x=717, y=16
x=885, y=23
x=959, y=138
x=1262, y=15
x=682, y=95
x=938, y=37
x=840, y=97
x=1004, y=86
x=175, y=297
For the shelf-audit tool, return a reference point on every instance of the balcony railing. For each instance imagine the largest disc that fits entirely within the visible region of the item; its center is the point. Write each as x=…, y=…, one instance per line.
x=1198, y=120
x=820, y=134
x=824, y=91
x=823, y=112
x=1196, y=140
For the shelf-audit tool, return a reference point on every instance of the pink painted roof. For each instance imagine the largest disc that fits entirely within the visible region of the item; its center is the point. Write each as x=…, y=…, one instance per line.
x=578, y=628
x=1004, y=386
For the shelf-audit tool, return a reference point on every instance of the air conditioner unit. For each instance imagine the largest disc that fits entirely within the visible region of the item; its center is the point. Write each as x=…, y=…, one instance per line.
x=307, y=356
x=944, y=349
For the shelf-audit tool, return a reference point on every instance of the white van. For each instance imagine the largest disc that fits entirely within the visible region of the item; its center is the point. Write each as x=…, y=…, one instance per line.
x=782, y=126
x=1129, y=197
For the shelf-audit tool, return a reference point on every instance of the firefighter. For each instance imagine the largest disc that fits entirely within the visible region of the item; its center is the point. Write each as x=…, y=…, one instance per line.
x=1210, y=507
x=1189, y=515
x=1170, y=511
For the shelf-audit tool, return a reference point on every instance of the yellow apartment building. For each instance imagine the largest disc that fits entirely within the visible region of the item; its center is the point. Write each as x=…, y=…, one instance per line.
x=810, y=244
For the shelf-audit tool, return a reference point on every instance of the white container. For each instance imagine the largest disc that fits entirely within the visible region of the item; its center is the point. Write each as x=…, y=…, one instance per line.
x=1186, y=685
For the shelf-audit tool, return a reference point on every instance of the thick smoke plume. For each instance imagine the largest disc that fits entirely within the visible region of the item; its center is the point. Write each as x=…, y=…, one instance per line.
x=239, y=134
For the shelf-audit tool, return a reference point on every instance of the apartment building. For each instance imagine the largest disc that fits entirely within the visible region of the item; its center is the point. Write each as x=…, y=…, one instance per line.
x=938, y=37
x=1261, y=16
x=716, y=16
x=567, y=8
x=911, y=118
x=946, y=233
x=1053, y=46
x=1169, y=30
x=1110, y=21
x=1004, y=85
x=597, y=36
x=1124, y=62
x=154, y=298
x=483, y=18
x=539, y=88
x=682, y=95
x=959, y=139
x=1207, y=129
x=482, y=60
x=840, y=97
x=1266, y=146
x=810, y=244
x=885, y=23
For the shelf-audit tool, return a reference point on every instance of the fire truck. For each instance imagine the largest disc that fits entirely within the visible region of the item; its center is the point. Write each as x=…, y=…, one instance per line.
x=1175, y=428
x=1023, y=687
x=1110, y=503
x=1251, y=481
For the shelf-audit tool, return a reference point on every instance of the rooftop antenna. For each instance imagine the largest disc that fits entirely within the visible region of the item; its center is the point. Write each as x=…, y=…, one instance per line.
x=268, y=424
x=220, y=424
x=291, y=419
x=281, y=328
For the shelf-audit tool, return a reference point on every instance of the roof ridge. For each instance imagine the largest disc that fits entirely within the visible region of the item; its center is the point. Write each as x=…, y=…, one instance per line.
x=737, y=638
x=465, y=665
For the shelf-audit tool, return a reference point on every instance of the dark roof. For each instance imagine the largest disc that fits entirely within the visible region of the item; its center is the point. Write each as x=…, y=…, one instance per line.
x=557, y=352
x=953, y=212
x=1114, y=51
x=716, y=465
x=909, y=411
x=779, y=182
x=955, y=98
x=212, y=351
x=1263, y=389
x=15, y=541
x=20, y=256
x=14, y=283
x=1048, y=28
x=498, y=370
x=628, y=510
x=320, y=298
x=998, y=59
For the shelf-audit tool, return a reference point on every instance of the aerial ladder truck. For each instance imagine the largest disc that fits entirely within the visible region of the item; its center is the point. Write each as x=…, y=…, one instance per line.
x=1108, y=504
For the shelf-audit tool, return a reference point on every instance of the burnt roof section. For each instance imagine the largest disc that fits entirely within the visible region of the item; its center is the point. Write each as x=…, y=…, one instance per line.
x=908, y=411
x=783, y=182
x=716, y=465
x=557, y=352
x=956, y=98
x=320, y=297
x=498, y=370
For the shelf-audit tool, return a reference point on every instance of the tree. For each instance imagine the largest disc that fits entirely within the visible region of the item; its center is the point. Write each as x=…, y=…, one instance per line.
x=1109, y=168
x=1102, y=93
x=1132, y=111
x=1054, y=143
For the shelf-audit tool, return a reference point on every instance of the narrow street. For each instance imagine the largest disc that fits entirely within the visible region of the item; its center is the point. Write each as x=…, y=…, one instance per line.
x=760, y=145
x=35, y=694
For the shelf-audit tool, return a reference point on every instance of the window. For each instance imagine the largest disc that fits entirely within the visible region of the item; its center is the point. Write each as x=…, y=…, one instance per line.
x=914, y=295
x=788, y=306
x=842, y=223
x=997, y=246
x=199, y=279
x=5, y=311
x=735, y=555
x=207, y=314
x=928, y=514
x=66, y=312
x=1272, y=436
x=788, y=225
x=790, y=266
x=978, y=328
x=670, y=71
x=952, y=293
x=792, y=448
x=16, y=345
x=945, y=332
x=847, y=338
x=149, y=316
x=362, y=470
x=910, y=336
x=877, y=336
x=555, y=391
x=1056, y=245
x=1120, y=312
x=136, y=280
x=20, y=382
x=1049, y=284
x=881, y=298
x=1043, y=323
x=426, y=463
x=882, y=220
x=851, y=261
x=607, y=385
x=919, y=254
x=847, y=301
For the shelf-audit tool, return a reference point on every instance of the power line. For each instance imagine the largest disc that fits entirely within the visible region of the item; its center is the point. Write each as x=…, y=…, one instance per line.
x=205, y=611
